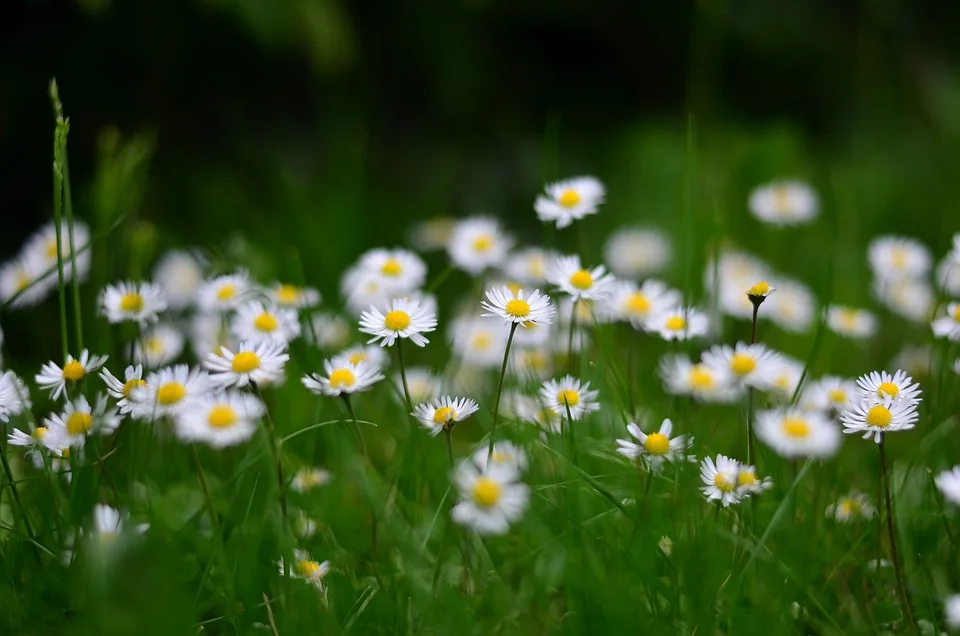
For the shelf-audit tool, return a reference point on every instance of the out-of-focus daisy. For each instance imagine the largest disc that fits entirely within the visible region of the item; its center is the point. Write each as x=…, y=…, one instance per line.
x=951, y=611
x=656, y=448
x=569, y=394
x=219, y=419
x=637, y=305
x=787, y=376
x=303, y=526
x=720, y=479
x=477, y=342
x=796, y=433
x=506, y=455
x=569, y=200
x=528, y=265
x=289, y=296
x=423, y=383
x=34, y=442
x=179, y=273
x=444, y=413
x=492, y=498
x=533, y=411
x=208, y=334
x=403, y=318
x=875, y=416
x=535, y=309
x=573, y=279
x=683, y=377
x=305, y=568
x=910, y=298
x=784, y=203
x=332, y=331
x=54, y=379
x=637, y=252
x=310, y=477
x=14, y=396
x=791, y=308
x=532, y=335
x=159, y=346
x=399, y=269
x=122, y=391
x=256, y=322
x=133, y=302
x=748, y=483
x=880, y=384
x=371, y=354
x=361, y=288
x=42, y=248
x=342, y=377
x=108, y=525
x=949, y=484
x=851, y=507
x=432, y=234
x=531, y=363
x=948, y=326
x=898, y=257
x=829, y=394
x=258, y=364
x=747, y=364
x=24, y=276
x=167, y=390
x=223, y=293
x=851, y=322
x=477, y=243
x=915, y=360
x=678, y=323
x=948, y=274
x=79, y=419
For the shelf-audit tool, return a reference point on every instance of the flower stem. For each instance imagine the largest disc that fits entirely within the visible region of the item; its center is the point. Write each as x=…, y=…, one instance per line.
x=373, y=511
x=894, y=556
x=59, y=150
x=448, y=434
x=275, y=447
x=356, y=426
x=8, y=472
x=496, y=404
x=75, y=278
x=573, y=326
x=403, y=375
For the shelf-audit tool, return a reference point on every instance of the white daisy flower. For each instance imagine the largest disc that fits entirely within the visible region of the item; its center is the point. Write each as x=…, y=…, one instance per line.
x=332, y=331
x=159, y=346
x=656, y=448
x=54, y=379
x=23, y=275
x=855, y=505
x=951, y=611
x=289, y=296
x=749, y=484
x=123, y=391
x=506, y=455
x=256, y=322
x=403, y=318
x=306, y=569
x=79, y=419
x=678, y=323
x=747, y=364
x=851, y=322
x=795, y=433
x=257, y=364
x=225, y=292
x=309, y=477
x=784, y=203
x=915, y=360
x=791, y=308
x=569, y=200
x=107, y=523
x=528, y=265
x=898, y=257
x=532, y=411
x=492, y=499
x=637, y=305
x=431, y=235
x=948, y=326
x=361, y=288
x=42, y=249
x=424, y=384
x=399, y=269
x=569, y=394
x=531, y=363
x=478, y=243
x=875, y=416
x=303, y=526
x=167, y=390
x=208, y=334
x=179, y=273
x=133, y=302
x=880, y=384
x=949, y=484
x=34, y=442
x=909, y=298
x=478, y=342
x=571, y=278
x=947, y=276
x=535, y=309
x=371, y=354
x=707, y=384
x=219, y=419
x=720, y=479
x=787, y=376
x=637, y=252
x=342, y=377
x=14, y=396
x=444, y=413
x=829, y=394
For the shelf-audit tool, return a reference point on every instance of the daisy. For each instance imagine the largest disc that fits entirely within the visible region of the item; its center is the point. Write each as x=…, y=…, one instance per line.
x=108, y=524
x=256, y=322
x=792, y=307
x=257, y=364
x=879, y=385
x=787, y=376
x=830, y=394
x=133, y=302
x=79, y=419
x=656, y=448
x=720, y=480
x=678, y=323
x=915, y=360
x=749, y=484
x=424, y=384
x=850, y=507
x=403, y=319
x=432, y=234
x=569, y=200
x=531, y=410
x=949, y=484
x=167, y=390
x=308, y=478
x=123, y=391
x=444, y=413
x=637, y=305
x=342, y=377
x=332, y=331
x=875, y=416
x=749, y=365
x=759, y=291
x=14, y=396
x=528, y=265
x=948, y=274
x=851, y=322
x=492, y=499
x=225, y=292
x=208, y=334
x=568, y=394
x=288, y=296
x=42, y=248
x=506, y=455
x=160, y=346
x=637, y=252
x=531, y=363
x=535, y=309
x=895, y=257
x=477, y=243
x=951, y=611
x=22, y=277
x=371, y=354
x=306, y=569
x=361, y=289
x=571, y=278
x=784, y=203
x=910, y=298
x=795, y=433
x=708, y=384
x=219, y=419
x=478, y=342
x=34, y=442
x=179, y=274
x=54, y=379
x=399, y=269
x=948, y=326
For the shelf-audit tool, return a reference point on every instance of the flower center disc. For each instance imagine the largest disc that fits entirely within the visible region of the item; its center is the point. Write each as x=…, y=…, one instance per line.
x=130, y=385
x=723, y=483
x=837, y=396
x=287, y=294
x=73, y=371
x=700, y=378
x=308, y=569
x=391, y=267
x=79, y=423
x=569, y=198
x=245, y=362
x=486, y=492
x=638, y=304
x=341, y=378
x=483, y=243
x=444, y=415
x=888, y=389
x=581, y=279
x=742, y=364
x=568, y=397
x=657, y=443
x=226, y=292
x=222, y=416
x=396, y=320
x=879, y=416
x=131, y=302
x=676, y=323
x=265, y=322
x=517, y=308
x=796, y=427
x=171, y=393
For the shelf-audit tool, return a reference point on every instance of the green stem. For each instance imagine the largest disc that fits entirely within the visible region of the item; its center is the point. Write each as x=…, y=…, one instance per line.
x=448, y=434
x=573, y=327
x=21, y=511
x=403, y=376
x=373, y=511
x=894, y=556
x=275, y=448
x=496, y=404
x=59, y=144
x=75, y=278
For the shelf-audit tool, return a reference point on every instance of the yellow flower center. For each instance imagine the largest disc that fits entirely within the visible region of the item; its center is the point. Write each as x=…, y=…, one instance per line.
x=762, y=288
x=537, y=267
x=41, y=432
x=700, y=377
x=391, y=267
x=746, y=478
x=956, y=313
x=581, y=279
x=676, y=323
x=52, y=248
x=265, y=322
x=888, y=389
x=781, y=199
x=155, y=345
x=23, y=280
x=899, y=257
x=517, y=308
x=130, y=385
x=879, y=416
x=308, y=569
x=227, y=291
x=742, y=364
x=782, y=382
x=500, y=457
x=222, y=416
x=837, y=396
x=396, y=320
x=486, y=492
x=845, y=508
x=483, y=243
x=287, y=294
x=131, y=302
x=73, y=371
x=79, y=423
x=444, y=415
x=171, y=393
x=796, y=427
x=638, y=304
x=568, y=397
x=657, y=443
x=357, y=357
x=569, y=198
x=482, y=341
x=245, y=362
x=341, y=378
x=723, y=483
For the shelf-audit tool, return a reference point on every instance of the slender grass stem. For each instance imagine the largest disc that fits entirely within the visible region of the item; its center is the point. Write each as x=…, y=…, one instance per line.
x=59, y=151
x=21, y=511
x=448, y=434
x=403, y=376
x=891, y=531
x=496, y=404
x=368, y=462
x=275, y=448
x=75, y=278
x=573, y=327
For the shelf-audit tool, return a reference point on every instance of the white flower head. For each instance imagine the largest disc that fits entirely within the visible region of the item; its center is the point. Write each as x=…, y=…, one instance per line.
x=880, y=384
x=573, y=279
x=791, y=308
x=531, y=363
x=531, y=410
x=444, y=413
x=14, y=396
x=568, y=394
x=654, y=449
x=637, y=305
x=42, y=249
x=256, y=322
x=123, y=390
x=132, y=302
x=678, y=323
x=166, y=390
x=787, y=376
x=874, y=416
x=432, y=234
x=897, y=257
x=478, y=243
x=569, y=200
x=342, y=377
x=637, y=252
x=54, y=379
x=23, y=275
x=506, y=455
x=159, y=346
x=403, y=318
x=107, y=524
x=751, y=365
x=80, y=419
x=310, y=477
x=208, y=334
x=948, y=274
x=478, y=342
x=784, y=203
x=951, y=611
x=290, y=296
x=720, y=480
x=949, y=484
x=424, y=384
x=179, y=274
x=829, y=394
x=305, y=568
x=35, y=442
x=332, y=331
x=851, y=507
x=399, y=270
x=851, y=322
x=535, y=309
x=796, y=433
x=371, y=354
x=259, y=364
x=225, y=292
x=911, y=298
x=948, y=326
x=492, y=498
x=528, y=265
x=703, y=383
x=219, y=419
x=748, y=483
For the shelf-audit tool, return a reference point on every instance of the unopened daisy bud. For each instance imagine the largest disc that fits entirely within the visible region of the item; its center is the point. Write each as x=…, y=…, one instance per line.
x=759, y=292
